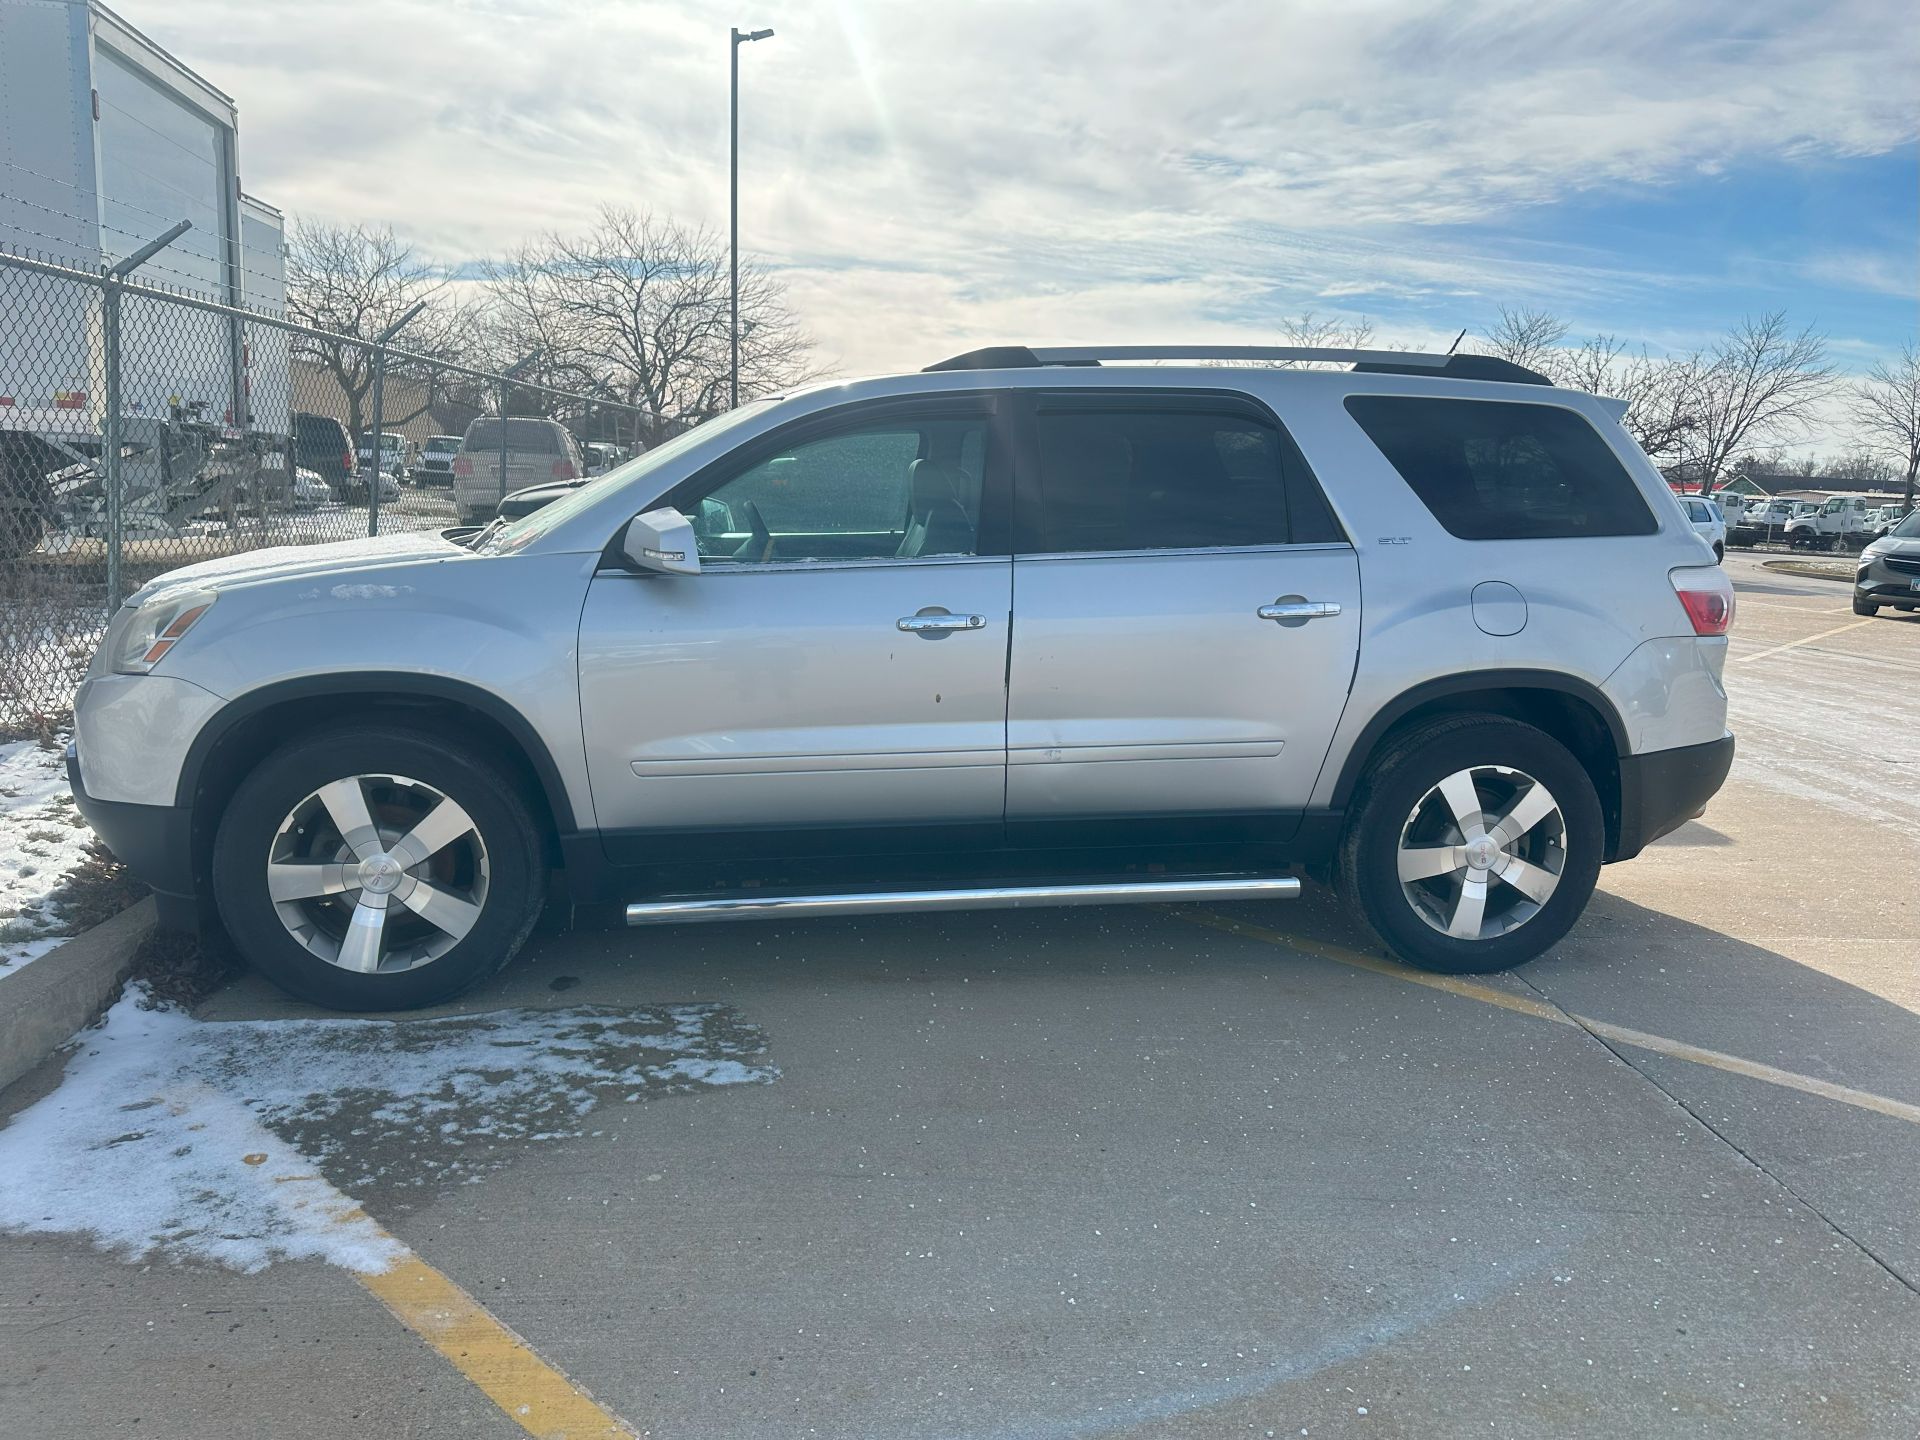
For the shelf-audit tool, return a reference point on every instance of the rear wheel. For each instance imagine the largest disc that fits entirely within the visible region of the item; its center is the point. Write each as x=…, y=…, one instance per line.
x=378, y=868
x=1719, y=553
x=1473, y=845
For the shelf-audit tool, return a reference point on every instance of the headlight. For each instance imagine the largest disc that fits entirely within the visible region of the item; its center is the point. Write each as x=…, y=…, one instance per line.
x=157, y=627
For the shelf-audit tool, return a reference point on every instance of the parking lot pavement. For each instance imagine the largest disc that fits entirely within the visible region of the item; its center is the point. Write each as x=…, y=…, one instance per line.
x=1170, y=1172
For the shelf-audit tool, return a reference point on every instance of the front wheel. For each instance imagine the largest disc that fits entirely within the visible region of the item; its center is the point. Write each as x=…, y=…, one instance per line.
x=378, y=868
x=1473, y=844
x=1864, y=607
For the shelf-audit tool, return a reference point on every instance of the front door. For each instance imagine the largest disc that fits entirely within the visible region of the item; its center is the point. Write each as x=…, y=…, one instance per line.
x=836, y=674
x=1187, y=626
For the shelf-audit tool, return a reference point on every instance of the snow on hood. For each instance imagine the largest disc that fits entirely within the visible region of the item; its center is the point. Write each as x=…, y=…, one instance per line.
x=237, y=1142
x=289, y=562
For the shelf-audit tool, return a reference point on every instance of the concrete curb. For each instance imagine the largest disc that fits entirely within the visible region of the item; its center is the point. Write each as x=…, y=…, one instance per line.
x=42, y=1005
x=1809, y=570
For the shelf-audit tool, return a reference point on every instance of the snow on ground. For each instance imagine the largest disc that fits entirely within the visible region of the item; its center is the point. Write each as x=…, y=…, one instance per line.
x=42, y=840
x=177, y=1138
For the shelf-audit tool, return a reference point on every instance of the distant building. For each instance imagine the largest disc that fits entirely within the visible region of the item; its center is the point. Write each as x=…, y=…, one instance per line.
x=1793, y=487
x=406, y=407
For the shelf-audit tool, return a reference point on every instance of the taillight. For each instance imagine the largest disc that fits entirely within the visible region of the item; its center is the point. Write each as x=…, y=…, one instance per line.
x=1707, y=595
x=350, y=463
x=462, y=465
x=563, y=470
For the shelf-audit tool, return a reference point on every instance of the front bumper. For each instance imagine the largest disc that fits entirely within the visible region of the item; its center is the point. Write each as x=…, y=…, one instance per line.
x=1660, y=790
x=155, y=842
x=1887, y=583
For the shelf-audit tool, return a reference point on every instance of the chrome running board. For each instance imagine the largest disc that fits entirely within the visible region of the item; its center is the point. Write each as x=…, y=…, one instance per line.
x=993, y=897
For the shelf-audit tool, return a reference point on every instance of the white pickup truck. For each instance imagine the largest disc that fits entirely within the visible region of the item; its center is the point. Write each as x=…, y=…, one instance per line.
x=1842, y=520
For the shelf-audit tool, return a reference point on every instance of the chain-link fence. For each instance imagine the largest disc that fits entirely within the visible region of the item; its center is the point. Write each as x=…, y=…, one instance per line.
x=142, y=430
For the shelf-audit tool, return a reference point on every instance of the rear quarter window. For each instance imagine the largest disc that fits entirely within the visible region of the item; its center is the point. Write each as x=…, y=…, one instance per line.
x=1499, y=470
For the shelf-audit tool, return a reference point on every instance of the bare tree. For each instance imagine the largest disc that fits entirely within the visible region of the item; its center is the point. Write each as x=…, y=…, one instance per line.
x=1525, y=336
x=1662, y=393
x=1760, y=383
x=355, y=281
x=636, y=309
x=1886, y=409
x=1859, y=464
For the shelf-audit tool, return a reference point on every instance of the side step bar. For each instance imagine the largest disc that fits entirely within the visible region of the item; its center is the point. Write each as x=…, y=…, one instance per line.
x=994, y=897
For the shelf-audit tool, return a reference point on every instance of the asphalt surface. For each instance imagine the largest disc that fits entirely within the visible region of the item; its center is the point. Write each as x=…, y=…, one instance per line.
x=1120, y=1172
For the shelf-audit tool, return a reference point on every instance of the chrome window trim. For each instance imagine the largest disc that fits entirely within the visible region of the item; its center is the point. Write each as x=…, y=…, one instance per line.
x=882, y=562
x=1312, y=546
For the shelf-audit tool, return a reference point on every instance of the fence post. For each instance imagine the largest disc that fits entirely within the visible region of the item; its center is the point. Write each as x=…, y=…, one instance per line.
x=110, y=381
x=379, y=419
x=110, y=432
x=503, y=439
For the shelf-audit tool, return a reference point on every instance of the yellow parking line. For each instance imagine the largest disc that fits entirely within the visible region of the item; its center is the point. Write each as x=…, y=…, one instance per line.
x=534, y=1395
x=1620, y=1034
x=1807, y=640
x=1340, y=955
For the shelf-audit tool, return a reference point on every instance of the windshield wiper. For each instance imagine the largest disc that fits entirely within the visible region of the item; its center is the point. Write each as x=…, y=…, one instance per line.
x=484, y=534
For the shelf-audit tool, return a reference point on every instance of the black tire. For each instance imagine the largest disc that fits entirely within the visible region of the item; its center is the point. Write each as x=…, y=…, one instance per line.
x=1864, y=607
x=1719, y=553
x=515, y=865
x=1408, y=766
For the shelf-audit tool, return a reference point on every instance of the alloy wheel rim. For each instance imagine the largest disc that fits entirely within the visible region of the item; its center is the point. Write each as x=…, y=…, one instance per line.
x=377, y=874
x=1482, y=852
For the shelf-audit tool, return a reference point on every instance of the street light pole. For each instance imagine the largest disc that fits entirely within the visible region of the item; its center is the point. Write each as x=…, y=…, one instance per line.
x=738, y=38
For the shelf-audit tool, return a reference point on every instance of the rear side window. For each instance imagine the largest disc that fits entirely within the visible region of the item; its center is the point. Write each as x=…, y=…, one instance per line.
x=528, y=437
x=1174, y=478
x=1494, y=470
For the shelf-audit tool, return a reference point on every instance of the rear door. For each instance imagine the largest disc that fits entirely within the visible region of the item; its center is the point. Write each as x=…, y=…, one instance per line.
x=1187, y=620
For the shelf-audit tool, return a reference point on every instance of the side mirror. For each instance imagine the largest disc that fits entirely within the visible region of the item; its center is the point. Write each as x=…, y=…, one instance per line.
x=662, y=541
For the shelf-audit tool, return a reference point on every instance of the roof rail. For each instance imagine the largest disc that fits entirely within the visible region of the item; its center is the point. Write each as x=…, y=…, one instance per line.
x=1382, y=362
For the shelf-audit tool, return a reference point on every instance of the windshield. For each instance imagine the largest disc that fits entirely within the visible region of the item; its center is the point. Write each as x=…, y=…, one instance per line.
x=530, y=527
x=443, y=442
x=1909, y=528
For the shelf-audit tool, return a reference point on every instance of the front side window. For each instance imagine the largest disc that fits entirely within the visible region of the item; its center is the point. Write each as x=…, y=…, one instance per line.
x=905, y=489
x=1158, y=479
x=1498, y=470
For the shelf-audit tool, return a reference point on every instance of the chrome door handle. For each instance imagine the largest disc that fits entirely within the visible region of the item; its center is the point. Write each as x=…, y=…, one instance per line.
x=938, y=622
x=1284, y=610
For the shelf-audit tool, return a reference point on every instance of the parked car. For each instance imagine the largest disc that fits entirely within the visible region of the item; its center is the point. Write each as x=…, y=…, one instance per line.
x=393, y=453
x=1885, y=518
x=320, y=444
x=599, y=457
x=1889, y=572
x=534, y=497
x=434, y=466
x=309, y=490
x=357, y=486
x=1708, y=523
x=537, y=452
x=1265, y=620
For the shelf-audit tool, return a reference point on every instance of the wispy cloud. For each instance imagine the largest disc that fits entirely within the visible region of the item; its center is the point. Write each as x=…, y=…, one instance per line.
x=933, y=175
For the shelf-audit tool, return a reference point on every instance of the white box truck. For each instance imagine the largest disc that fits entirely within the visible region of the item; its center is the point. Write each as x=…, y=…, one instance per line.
x=107, y=141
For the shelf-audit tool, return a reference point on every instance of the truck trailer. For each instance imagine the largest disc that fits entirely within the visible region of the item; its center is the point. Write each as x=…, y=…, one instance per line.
x=106, y=142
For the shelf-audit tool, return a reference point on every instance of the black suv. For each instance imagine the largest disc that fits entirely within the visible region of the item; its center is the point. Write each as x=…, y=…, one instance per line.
x=321, y=445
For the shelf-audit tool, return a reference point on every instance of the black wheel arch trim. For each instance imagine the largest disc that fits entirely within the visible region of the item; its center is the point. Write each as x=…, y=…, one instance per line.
x=379, y=683
x=1407, y=701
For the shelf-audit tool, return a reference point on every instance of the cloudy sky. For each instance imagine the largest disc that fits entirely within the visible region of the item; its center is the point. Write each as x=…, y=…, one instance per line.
x=932, y=174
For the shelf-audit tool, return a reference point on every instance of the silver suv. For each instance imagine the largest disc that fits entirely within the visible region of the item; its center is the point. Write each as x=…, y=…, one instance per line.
x=1031, y=627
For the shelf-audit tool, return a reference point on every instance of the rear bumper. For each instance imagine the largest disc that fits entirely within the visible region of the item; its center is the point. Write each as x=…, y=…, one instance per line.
x=155, y=842
x=1660, y=790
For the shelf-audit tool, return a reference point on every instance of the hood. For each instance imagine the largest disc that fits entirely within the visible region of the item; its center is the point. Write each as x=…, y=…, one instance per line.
x=291, y=562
